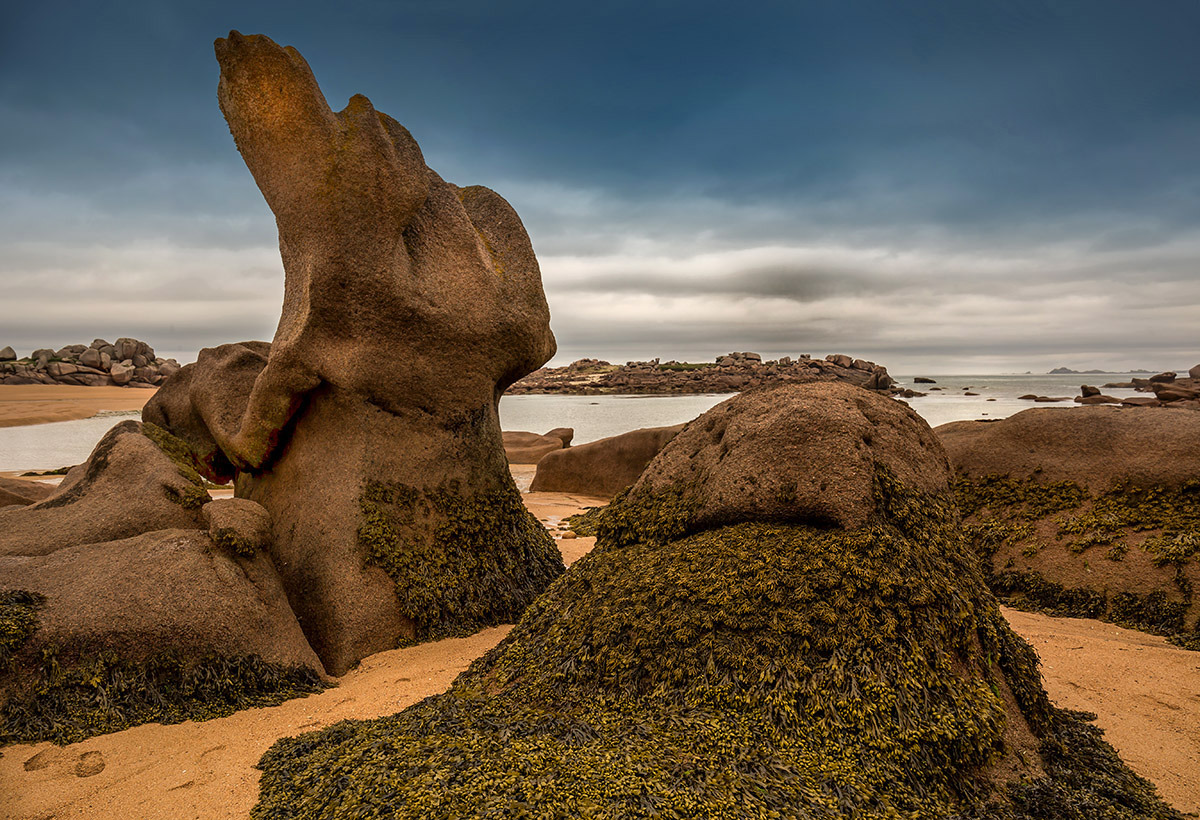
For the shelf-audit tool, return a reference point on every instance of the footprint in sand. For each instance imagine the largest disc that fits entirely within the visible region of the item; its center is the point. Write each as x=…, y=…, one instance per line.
x=90, y=763
x=45, y=758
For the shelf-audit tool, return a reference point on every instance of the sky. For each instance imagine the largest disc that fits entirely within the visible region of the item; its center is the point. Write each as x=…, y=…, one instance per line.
x=944, y=187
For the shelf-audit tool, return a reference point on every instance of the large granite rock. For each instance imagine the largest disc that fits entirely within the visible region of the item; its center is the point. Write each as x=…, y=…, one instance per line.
x=410, y=304
x=1088, y=513
x=1096, y=447
x=602, y=468
x=828, y=666
x=128, y=486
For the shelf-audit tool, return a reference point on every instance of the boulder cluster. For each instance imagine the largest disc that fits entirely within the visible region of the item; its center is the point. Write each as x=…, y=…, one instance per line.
x=1167, y=388
x=730, y=373
x=781, y=618
x=127, y=594
x=125, y=363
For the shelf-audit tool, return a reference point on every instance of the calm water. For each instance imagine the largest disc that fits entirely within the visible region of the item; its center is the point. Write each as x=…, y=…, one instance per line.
x=48, y=446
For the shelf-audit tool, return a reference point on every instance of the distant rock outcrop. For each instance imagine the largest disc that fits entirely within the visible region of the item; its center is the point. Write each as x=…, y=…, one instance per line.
x=128, y=362
x=1091, y=513
x=730, y=373
x=602, y=468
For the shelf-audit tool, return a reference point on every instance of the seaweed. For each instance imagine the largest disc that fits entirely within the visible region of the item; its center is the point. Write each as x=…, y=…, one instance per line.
x=750, y=670
x=101, y=693
x=460, y=562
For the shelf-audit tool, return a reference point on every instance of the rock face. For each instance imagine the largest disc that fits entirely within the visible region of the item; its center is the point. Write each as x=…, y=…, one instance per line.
x=1091, y=513
x=742, y=670
x=207, y=396
x=92, y=365
x=798, y=453
x=128, y=486
x=410, y=304
x=602, y=468
x=522, y=447
x=728, y=374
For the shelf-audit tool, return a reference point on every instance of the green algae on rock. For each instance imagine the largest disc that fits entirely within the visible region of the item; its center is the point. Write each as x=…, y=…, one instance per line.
x=755, y=670
x=18, y=622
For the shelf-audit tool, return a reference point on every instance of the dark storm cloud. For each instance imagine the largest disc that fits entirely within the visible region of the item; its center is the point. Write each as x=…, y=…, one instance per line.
x=895, y=176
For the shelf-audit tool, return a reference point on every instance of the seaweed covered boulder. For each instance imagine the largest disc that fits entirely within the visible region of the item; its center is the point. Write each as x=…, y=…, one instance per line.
x=128, y=486
x=370, y=431
x=162, y=626
x=602, y=468
x=790, y=667
x=1091, y=513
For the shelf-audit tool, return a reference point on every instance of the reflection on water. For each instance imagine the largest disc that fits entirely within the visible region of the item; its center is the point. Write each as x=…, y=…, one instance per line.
x=48, y=446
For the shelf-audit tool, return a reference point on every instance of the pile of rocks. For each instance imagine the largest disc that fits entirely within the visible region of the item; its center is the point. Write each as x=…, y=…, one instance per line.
x=127, y=363
x=731, y=373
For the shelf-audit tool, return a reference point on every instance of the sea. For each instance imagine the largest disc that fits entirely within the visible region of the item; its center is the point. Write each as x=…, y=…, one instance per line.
x=60, y=444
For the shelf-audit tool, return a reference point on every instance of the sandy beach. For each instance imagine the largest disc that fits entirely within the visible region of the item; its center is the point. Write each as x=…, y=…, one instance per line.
x=43, y=403
x=1145, y=692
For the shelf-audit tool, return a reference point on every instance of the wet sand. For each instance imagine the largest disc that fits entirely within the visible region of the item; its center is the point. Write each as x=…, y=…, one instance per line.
x=1145, y=691
x=43, y=403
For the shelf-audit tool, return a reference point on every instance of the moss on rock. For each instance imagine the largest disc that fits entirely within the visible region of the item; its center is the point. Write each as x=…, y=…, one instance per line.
x=752, y=670
x=481, y=563
x=191, y=497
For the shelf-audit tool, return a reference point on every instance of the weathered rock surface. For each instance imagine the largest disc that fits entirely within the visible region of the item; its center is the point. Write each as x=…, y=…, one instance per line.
x=799, y=453
x=1091, y=513
x=730, y=373
x=15, y=492
x=128, y=486
x=522, y=447
x=602, y=468
x=92, y=365
x=740, y=671
x=1096, y=447
x=410, y=304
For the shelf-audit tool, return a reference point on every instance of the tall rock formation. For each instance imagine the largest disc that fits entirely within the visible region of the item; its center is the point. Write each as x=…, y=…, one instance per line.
x=371, y=432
